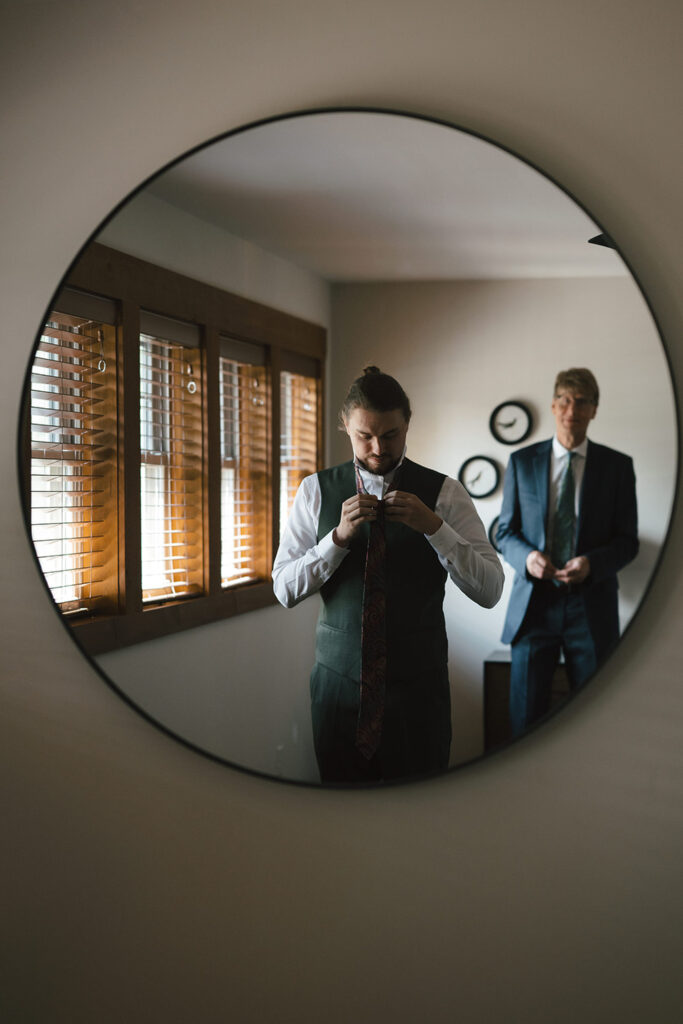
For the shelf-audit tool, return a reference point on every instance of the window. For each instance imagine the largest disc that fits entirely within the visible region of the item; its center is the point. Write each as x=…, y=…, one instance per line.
x=73, y=459
x=156, y=477
x=245, y=407
x=299, y=444
x=170, y=461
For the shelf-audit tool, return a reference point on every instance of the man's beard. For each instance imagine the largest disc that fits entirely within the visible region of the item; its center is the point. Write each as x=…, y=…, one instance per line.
x=385, y=461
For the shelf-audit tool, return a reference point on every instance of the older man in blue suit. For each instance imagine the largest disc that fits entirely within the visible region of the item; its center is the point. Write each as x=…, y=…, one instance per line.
x=567, y=526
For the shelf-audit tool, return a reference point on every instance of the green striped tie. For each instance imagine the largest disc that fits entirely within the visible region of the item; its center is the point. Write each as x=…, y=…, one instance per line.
x=565, y=519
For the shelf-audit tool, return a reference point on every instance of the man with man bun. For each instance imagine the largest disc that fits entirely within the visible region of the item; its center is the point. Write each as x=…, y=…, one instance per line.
x=377, y=538
x=567, y=526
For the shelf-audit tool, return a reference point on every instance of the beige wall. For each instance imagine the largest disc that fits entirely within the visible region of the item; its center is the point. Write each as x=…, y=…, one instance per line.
x=145, y=883
x=154, y=230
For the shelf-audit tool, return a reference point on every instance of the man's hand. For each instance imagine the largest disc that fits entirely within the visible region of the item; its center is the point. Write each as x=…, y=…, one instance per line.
x=402, y=507
x=539, y=566
x=575, y=570
x=361, y=508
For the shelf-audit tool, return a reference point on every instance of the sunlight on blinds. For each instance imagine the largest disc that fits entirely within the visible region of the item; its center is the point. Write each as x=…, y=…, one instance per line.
x=298, y=435
x=170, y=469
x=244, y=410
x=73, y=461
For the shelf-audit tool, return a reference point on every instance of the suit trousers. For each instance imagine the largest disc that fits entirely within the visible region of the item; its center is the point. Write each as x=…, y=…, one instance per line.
x=416, y=733
x=555, y=622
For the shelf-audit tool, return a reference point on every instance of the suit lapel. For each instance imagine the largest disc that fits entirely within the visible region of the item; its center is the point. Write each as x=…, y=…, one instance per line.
x=542, y=482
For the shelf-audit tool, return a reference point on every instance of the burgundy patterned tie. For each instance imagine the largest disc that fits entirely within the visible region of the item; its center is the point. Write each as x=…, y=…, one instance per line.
x=373, y=669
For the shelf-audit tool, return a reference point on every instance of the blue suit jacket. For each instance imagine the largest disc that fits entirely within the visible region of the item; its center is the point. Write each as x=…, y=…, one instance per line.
x=607, y=531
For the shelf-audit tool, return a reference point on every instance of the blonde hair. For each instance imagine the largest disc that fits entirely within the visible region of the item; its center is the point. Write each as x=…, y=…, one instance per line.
x=578, y=378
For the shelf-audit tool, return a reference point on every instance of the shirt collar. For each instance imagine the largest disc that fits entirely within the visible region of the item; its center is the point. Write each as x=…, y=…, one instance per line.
x=559, y=450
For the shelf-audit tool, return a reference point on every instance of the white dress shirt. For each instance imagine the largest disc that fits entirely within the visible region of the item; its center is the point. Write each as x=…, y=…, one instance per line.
x=303, y=565
x=558, y=461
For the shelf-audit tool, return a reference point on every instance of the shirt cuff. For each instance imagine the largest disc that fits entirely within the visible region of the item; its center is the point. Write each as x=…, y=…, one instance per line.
x=444, y=540
x=332, y=553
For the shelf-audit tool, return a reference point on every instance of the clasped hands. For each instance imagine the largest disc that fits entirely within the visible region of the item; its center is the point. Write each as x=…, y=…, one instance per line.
x=399, y=507
x=574, y=571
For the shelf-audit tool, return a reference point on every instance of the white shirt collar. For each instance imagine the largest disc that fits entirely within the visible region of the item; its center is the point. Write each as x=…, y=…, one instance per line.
x=559, y=450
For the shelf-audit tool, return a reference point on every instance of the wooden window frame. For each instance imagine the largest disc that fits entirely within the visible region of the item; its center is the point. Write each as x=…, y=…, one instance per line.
x=136, y=285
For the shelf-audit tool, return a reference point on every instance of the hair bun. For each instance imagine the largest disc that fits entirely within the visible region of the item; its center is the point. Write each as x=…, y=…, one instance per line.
x=377, y=392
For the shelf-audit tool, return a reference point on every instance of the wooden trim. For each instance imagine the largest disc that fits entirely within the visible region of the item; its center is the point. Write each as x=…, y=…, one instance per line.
x=108, y=633
x=117, y=275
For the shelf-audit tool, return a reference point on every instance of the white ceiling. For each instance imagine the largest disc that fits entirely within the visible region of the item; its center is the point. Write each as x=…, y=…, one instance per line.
x=361, y=196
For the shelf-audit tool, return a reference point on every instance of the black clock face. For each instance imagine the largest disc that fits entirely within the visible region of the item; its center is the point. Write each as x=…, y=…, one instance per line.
x=510, y=422
x=479, y=475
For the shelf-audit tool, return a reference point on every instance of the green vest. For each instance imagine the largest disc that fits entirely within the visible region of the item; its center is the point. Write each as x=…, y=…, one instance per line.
x=415, y=627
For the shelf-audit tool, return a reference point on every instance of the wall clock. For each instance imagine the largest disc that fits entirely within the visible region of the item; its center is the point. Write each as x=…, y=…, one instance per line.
x=479, y=475
x=493, y=533
x=510, y=422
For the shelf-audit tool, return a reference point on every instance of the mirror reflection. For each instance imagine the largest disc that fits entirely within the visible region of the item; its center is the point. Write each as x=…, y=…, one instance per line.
x=246, y=287
x=376, y=538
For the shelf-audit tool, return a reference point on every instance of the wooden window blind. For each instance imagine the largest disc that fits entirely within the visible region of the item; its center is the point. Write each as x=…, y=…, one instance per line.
x=150, y=452
x=171, y=487
x=299, y=399
x=73, y=463
x=245, y=434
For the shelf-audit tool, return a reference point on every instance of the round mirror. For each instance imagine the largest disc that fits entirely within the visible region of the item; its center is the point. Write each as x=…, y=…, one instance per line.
x=190, y=371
